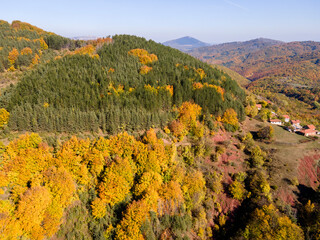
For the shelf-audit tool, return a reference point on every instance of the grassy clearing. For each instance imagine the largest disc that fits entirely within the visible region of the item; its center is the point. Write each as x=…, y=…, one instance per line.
x=285, y=152
x=8, y=78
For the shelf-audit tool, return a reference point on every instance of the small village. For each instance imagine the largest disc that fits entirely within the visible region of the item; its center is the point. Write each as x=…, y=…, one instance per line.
x=291, y=125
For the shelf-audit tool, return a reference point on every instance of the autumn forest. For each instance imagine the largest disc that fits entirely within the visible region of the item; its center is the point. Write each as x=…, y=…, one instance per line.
x=125, y=138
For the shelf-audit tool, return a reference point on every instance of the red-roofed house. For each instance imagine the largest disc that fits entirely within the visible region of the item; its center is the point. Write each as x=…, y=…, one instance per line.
x=286, y=118
x=259, y=106
x=275, y=121
x=308, y=132
x=312, y=127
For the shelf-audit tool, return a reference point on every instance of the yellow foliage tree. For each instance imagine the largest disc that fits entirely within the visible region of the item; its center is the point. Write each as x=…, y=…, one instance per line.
x=237, y=190
x=148, y=182
x=98, y=208
x=201, y=73
x=31, y=210
x=267, y=223
x=171, y=198
x=193, y=188
x=117, y=181
x=86, y=50
x=43, y=44
x=4, y=117
x=230, y=118
x=188, y=113
x=35, y=59
x=61, y=185
x=24, y=159
x=70, y=157
x=129, y=227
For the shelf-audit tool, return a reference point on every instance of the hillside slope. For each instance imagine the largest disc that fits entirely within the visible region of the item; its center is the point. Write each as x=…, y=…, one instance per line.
x=23, y=45
x=131, y=84
x=242, y=81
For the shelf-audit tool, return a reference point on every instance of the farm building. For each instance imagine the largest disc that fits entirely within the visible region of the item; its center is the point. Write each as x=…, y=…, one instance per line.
x=275, y=121
x=286, y=118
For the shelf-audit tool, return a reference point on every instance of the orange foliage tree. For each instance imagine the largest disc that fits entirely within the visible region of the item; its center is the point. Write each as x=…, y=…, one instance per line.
x=144, y=58
x=145, y=69
x=100, y=41
x=26, y=51
x=13, y=56
x=143, y=55
x=35, y=59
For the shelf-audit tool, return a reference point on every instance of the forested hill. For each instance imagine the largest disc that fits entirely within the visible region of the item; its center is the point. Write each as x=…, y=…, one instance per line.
x=23, y=45
x=130, y=84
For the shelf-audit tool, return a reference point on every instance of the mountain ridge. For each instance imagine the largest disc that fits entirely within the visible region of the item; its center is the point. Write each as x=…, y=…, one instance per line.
x=259, y=58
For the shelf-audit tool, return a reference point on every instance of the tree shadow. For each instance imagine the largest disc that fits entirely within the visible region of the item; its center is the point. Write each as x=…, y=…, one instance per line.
x=238, y=219
x=254, y=135
x=306, y=193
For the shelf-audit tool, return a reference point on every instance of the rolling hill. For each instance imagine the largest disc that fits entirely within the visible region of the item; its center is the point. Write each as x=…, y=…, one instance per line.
x=225, y=52
x=292, y=69
x=262, y=58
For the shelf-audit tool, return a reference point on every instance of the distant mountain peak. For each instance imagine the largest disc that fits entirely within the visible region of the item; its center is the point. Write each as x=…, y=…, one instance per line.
x=186, y=43
x=85, y=38
x=266, y=40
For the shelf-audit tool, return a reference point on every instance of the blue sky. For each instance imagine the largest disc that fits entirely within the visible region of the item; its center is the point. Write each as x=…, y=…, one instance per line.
x=212, y=21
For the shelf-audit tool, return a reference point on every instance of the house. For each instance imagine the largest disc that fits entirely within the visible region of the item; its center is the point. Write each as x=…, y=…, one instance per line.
x=275, y=121
x=259, y=106
x=296, y=124
x=308, y=132
x=312, y=127
x=286, y=118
